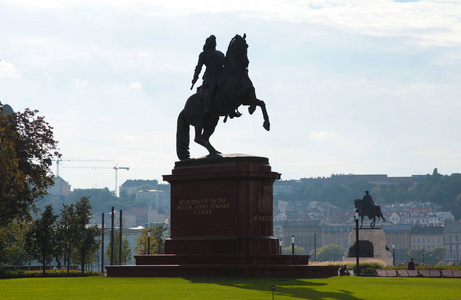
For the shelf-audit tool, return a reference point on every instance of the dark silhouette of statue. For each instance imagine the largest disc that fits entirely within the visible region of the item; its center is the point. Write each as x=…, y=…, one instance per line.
x=214, y=63
x=365, y=247
x=367, y=200
x=366, y=207
x=236, y=89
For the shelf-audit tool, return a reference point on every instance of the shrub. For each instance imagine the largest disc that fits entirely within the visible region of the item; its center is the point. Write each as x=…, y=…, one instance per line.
x=49, y=273
x=368, y=267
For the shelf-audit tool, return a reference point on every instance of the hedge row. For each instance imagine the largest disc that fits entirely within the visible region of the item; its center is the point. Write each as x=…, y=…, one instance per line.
x=49, y=273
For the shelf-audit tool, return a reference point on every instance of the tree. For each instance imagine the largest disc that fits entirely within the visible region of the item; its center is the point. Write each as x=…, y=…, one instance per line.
x=329, y=253
x=298, y=250
x=432, y=258
x=40, y=240
x=156, y=240
x=26, y=149
x=146, y=187
x=417, y=254
x=126, y=250
x=66, y=233
x=86, y=236
x=13, y=238
x=103, y=199
x=436, y=255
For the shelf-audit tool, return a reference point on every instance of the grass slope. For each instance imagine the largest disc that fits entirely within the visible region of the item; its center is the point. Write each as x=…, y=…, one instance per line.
x=230, y=288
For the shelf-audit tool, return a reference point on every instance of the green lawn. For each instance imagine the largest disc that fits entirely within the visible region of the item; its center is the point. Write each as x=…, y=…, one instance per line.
x=230, y=288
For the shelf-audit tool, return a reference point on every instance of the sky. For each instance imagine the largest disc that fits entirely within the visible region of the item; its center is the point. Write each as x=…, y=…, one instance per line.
x=351, y=86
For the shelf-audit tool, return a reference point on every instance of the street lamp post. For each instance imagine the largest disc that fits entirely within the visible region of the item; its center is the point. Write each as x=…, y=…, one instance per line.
x=357, y=247
x=280, y=246
x=112, y=237
x=393, y=254
x=315, y=246
x=424, y=252
x=102, y=244
x=292, y=244
x=148, y=241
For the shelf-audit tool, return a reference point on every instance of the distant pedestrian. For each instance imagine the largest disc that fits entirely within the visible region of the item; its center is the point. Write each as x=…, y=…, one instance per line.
x=343, y=271
x=411, y=264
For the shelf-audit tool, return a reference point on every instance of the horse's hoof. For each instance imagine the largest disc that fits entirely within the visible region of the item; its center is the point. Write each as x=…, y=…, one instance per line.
x=214, y=155
x=267, y=126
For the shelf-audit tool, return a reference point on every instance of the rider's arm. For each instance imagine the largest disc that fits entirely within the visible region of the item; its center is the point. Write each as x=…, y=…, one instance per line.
x=198, y=68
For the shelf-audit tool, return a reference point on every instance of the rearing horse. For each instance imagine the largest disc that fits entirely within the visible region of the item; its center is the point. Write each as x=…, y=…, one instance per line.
x=237, y=89
x=370, y=211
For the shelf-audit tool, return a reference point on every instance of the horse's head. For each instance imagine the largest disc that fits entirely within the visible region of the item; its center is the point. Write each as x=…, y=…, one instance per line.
x=236, y=55
x=358, y=203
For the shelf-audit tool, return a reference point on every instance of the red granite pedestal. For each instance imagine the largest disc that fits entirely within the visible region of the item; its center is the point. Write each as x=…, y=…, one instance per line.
x=221, y=224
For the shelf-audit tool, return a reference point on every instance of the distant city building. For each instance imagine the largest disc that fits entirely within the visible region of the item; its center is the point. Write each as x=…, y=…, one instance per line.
x=131, y=185
x=426, y=237
x=416, y=213
x=60, y=187
x=154, y=198
x=452, y=241
x=400, y=236
x=57, y=194
x=303, y=232
x=142, y=216
x=283, y=187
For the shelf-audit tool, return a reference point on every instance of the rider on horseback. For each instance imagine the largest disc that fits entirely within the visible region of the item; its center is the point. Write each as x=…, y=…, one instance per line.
x=214, y=62
x=367, y=201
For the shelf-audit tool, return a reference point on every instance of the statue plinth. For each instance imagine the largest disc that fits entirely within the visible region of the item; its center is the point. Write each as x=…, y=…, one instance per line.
x=221, y=224
x=222, y=206
x=372, y=245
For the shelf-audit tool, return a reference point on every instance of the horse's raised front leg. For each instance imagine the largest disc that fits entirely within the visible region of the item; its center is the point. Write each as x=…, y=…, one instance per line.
x=266, y=124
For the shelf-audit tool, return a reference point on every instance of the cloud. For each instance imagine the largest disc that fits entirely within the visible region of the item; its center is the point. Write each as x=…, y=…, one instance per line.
x=135, y=85
x=8, y=70
x=79, y=82
x=425, y=23
x=322, y=135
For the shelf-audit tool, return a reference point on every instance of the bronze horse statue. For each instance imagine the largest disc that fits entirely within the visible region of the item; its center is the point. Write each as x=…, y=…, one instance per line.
x=236, y=89
x=371, y=211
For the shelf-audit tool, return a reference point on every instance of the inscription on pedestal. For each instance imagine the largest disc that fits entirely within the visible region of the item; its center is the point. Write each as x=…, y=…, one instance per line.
x=263, y=218
x=203, y=206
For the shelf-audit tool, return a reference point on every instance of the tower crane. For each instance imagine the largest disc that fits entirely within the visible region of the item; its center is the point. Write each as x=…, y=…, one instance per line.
x=59, y=160
x=116, y=168
x=116, y=177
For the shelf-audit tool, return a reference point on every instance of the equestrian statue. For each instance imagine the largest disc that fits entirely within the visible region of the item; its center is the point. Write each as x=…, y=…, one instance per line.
x=226, y=85
x=366, y=207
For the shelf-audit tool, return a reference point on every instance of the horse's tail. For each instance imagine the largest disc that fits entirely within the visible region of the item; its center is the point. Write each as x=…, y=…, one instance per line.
x=380, y=214
x=182, y=137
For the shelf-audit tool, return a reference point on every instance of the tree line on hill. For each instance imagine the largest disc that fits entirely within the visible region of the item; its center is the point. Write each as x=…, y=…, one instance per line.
x=443, y=190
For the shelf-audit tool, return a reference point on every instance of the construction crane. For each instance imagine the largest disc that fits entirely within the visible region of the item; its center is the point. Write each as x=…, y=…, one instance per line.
x=59, y=160
x=116, y=168
x=116, y=177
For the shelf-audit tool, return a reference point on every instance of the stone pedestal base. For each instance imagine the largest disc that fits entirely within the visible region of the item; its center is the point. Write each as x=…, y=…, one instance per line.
x=221, y=224
x=183, y=265
x=377, y=238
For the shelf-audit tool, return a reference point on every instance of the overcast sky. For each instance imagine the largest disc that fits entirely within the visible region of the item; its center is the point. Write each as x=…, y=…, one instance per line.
x=351, y=86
